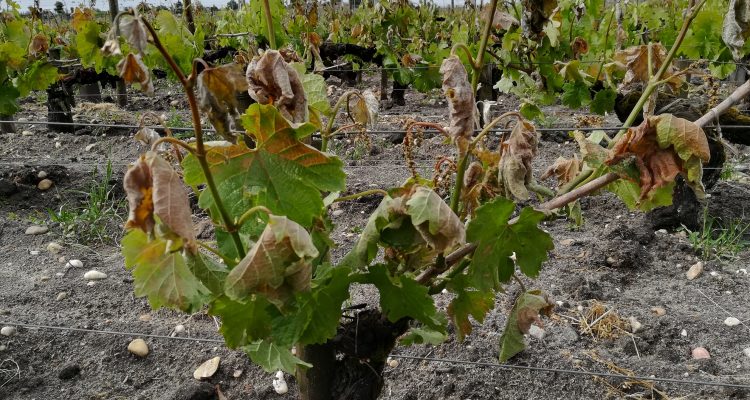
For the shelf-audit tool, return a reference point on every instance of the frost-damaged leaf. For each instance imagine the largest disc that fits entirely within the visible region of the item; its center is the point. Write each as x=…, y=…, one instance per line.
x=525, y=312
x=161, y=273
x=80, y=16
x=277, y=266
x=217, y=97
x=468, y=302
x=496, y=242
x=736, y=27
x=242, y=322
x=515, y=165
x=154, y=188
x=501, y=21
x=636, y=61
x=536, y=14
x=457, y=90
x=273, y=358
x=281, y=173
x=133, y=70
x=662, y=147
x=272, y=81
x=359, y=111
x=438, y=224
x=564, y=169
x=366, y=248
x=134, y=31
x=402, y=296
x=39, y=45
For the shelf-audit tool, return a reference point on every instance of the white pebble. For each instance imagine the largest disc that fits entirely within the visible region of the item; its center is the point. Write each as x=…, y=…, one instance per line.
x=58, y=145
x=138, y=347
x=714, y=273
x=393, y=363
x=279, y=384
x=2, y=347
x=536, y=332
x=207, y=369
x=683, y=333
x=662, y=231
x=8, y=331
x=179, y=328
x=41, y=174
x=731, y=321
x=75, y=263
x=237, y=373
x=338, y=213
x=36, y=230
x=34, y=252
x=62, y=296
x=94, y=275
x=91, y=146
x=91, y=284
x=44, y=184
x=695, y=271
x=54, y=247
x=635, y=325
x=742, y=271
x=746, y=351
x=700, y=353
x=26, y=133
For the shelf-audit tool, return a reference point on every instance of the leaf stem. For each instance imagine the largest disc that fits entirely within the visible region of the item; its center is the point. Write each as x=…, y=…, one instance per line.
x=175, y=142
x=326, y=133
x=479, y=62
x=249, y=213
x=269, y=24
x=362, y=194
x=520, y=283
x=200, y=151
x=214, y=252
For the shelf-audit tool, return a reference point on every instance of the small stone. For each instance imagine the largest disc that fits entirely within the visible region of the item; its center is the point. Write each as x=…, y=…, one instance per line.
x=3, y=347
x=94, y=275
x=145, y=318
x=76, y=263
x=742, y=271
x=69, y=372
x=681, y=234
x=279, y=384
x=58, y=145
x=635, y=325
x=700, y=353
x=659, y=311
x=746, y=351
x=683, y=333
x=62, y=296
x=714, y=274
x=91, y=284
x=567, y=242
x=392, y=362
x=338, y=213
x=237, y=373
x=54, y=247
x=44, y=184
x=179, y=328
x=41, y=174
x=207, y=369
x=36, y=230
x=695, y=271
x=8, y=331
x=138, y=347
x=91, y=146
x=174, y=103
x=44, y=278
x=662, y=231
x=26, y=133
x=34, y=252
x=731, y=321
x=536, y=332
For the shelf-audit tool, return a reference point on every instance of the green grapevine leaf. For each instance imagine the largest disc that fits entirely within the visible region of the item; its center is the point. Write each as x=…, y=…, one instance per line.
x=161, y=273
x=604, y=101
x=316, y=91
x=365, y=250
x=272, y=358
x=434, y=219
x=497, y=241
x=209, y=272
x=401, y=296
x=530, y=110
x=281, y=173
x=324, y=302
x=38, y=76
x=423, y=336
x=242, y=322
x=575, y=94
x=525, y=311
x=8, y=97
x=468, y=302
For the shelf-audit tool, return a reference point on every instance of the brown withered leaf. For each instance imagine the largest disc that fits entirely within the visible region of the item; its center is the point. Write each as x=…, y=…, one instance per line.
x=278, y=264
x=515, y=164
x=80, y=16
x=457, y=90
x=217, y=97
x=39, y=45
x=170, y=199
x=736, y=27
x=434, y=220
x=565, y=169
x=138, y=185
x=635, y=59
x=662, y=147
x=134, y=31
x=272, y=81
x=359, y=110
x=579, y=46
x=133, y=70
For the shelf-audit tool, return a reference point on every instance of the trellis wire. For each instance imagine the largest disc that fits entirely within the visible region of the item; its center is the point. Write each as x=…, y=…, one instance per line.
x=407, y=357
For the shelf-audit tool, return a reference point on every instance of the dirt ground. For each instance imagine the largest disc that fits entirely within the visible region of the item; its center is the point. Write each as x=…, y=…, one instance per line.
x=616, y=261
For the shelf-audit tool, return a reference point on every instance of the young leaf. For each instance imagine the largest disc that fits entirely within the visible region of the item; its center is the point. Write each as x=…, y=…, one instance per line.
x=161, y=274
x=436, y=222
x=575, y=94
x=604, y=101
x=468, y=302
x=515, y=165
x=8, y=97
x=662, y=147
x=324, y=302
x=277, y=266
x=272, y=81
x=366, y=248
x=401, y=296
x=497, y=241
x=281, y=173
x=273, y=358
x=525, y=311
x=217, y=97
x=242, y=322
x=423, y=336
x=457, y=90
x=133, y=70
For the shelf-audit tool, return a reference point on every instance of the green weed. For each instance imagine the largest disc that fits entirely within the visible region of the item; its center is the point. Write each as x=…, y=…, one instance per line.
x=719, y=239
x=96, y=217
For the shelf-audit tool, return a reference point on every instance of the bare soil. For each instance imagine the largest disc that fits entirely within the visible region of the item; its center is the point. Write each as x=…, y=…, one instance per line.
x=615, y=260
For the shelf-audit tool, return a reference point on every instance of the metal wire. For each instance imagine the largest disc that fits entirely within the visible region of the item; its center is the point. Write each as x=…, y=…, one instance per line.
x=571, y=372
x=403, y=356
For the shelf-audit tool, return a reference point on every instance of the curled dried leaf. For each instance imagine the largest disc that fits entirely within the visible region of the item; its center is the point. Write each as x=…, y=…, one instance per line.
x=736, y=28
x=39, y=45
x=272, y=81
x=146, y=136
x=635, y=59
x=278, y=265
x=81, y=16
x=515, y=164
x=565, y=169
x=217, y=97
x=139, y=185
x=133, y=70
x=579, y=46
x=457, y=90
x=134, y=31
x=662, y=147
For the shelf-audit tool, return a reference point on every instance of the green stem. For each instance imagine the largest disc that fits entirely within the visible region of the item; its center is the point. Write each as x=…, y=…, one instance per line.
x=653, y=83
x=520, y=283
x=269, y=24
x=200, y=153
x=215, y=252
x=174, y=142
x=582, y=176
x=483, y=47
x=449, y=276
x=249, y=213
x=361, y=194
x=326, y=133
